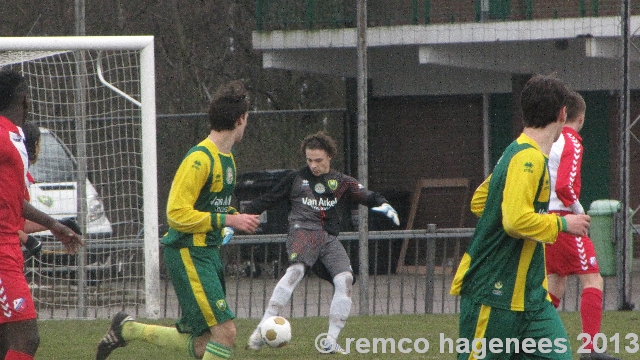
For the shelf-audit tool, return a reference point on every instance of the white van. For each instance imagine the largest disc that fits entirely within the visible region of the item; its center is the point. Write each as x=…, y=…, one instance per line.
x=55, y=193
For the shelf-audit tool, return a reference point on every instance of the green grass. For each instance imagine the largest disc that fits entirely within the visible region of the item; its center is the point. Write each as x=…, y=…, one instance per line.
x=69, y=340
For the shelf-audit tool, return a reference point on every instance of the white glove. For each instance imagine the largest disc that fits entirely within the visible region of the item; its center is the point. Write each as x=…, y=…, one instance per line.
x=227, y=233
x=389, y=212
x=576, y=208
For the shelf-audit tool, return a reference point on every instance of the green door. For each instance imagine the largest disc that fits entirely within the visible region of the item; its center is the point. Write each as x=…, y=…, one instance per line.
x=596, y=173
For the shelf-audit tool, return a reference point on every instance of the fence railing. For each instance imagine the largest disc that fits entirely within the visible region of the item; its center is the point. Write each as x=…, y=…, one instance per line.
x=334, y=14
x=410, y=273
x=418, y=283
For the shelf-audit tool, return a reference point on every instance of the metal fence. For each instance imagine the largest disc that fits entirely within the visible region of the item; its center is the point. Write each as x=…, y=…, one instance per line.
x=413, y=281
x=410, y=272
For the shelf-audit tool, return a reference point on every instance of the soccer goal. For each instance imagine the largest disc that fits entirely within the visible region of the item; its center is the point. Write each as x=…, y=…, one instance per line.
x=94, y=101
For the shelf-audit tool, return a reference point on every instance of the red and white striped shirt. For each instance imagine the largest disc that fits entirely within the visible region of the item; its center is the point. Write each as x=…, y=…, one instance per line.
x=13, y=167
x=565, y=163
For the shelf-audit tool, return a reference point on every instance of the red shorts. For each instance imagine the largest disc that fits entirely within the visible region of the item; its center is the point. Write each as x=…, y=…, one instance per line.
x=571, y=255
x=16, y=303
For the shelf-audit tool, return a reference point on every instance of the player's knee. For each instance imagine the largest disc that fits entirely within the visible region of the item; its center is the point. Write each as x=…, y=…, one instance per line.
x=294, y=273
x=232, y=332
x=32, y=344
x=28, y=343
x=343, y=282
x=593, y=280
x=224, y=333
x=28, y=339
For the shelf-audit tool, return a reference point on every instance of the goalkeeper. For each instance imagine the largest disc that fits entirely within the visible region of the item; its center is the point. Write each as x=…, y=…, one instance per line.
x=313, y=193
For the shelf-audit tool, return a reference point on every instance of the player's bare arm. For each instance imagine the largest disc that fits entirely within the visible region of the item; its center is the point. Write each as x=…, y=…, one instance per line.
x=30, y=227
x=243, y=222
x=577, y=224
x=64, y=234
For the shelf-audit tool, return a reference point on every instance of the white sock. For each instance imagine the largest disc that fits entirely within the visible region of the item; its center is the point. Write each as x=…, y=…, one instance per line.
x=341, y=303
x=283, y=290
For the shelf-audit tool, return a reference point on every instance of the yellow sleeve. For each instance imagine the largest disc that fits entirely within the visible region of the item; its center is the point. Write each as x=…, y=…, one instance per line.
x=479, y=198
x=185, y=189
x=519, y=217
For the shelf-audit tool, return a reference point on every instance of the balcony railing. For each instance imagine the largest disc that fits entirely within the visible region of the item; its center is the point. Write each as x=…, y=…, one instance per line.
x=335, y=14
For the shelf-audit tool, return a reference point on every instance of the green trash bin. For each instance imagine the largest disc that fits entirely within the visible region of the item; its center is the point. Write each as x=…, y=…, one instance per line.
x=602, y=233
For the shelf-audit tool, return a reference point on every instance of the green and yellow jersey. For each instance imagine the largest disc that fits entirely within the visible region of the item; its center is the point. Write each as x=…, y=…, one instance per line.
x=504, y=265
x=200, y=197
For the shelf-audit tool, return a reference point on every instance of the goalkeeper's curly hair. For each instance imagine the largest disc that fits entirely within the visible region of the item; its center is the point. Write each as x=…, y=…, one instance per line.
x=321, y=141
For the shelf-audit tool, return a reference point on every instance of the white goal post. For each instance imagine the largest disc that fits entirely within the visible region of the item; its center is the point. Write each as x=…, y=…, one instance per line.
x=94, y=99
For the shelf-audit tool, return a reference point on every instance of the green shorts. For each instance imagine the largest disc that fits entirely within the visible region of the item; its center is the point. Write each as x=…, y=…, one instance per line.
x=197, y=276
x=506, y=334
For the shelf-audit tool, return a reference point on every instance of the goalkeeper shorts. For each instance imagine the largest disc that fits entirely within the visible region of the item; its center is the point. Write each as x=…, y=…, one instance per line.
x=308, y=246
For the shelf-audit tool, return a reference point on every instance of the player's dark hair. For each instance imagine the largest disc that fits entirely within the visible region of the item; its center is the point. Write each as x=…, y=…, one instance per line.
x=229, y=102
x=12, y=88
x=541, y=100
x=31, y=139
x=575, y=106
x=320, y=141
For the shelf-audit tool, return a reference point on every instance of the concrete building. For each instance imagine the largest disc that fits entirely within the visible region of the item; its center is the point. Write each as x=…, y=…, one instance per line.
x=444, y=79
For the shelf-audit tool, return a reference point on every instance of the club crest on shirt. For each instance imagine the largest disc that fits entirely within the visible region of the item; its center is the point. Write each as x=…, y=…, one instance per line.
x=333, y=184
x=229, y=175
x=319, y=188
x=19, y=304
x=497, y=288
x=221, y=305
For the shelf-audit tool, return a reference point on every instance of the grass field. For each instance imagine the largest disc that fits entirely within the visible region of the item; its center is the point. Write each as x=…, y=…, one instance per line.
x=70, y=340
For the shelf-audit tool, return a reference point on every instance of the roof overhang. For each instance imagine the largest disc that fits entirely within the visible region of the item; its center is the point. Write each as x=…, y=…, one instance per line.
x=461, y=58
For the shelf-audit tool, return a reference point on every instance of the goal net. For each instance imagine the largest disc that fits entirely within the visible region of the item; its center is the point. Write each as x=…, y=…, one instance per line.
x=93, y=99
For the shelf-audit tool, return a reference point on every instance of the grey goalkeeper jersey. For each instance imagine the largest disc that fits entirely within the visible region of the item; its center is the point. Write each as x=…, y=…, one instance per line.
x=313, y=199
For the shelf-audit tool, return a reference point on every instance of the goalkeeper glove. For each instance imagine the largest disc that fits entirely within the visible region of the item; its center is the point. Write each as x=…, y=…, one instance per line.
x=71, y=224
x=33, y=247
x=227, y=233
x=389, y=212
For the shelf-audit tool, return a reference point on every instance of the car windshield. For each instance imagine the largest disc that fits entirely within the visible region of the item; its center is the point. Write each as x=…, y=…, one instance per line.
x=55, y=163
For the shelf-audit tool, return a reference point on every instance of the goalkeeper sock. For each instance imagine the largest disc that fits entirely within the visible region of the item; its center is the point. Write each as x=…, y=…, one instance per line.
x=591, y=312
x=283, y=290
x=341, y=303
x=16, y=355
x=216, y=351
x=162, y=336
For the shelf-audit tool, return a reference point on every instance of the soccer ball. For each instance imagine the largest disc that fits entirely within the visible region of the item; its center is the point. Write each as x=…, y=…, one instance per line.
x=276, y=331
